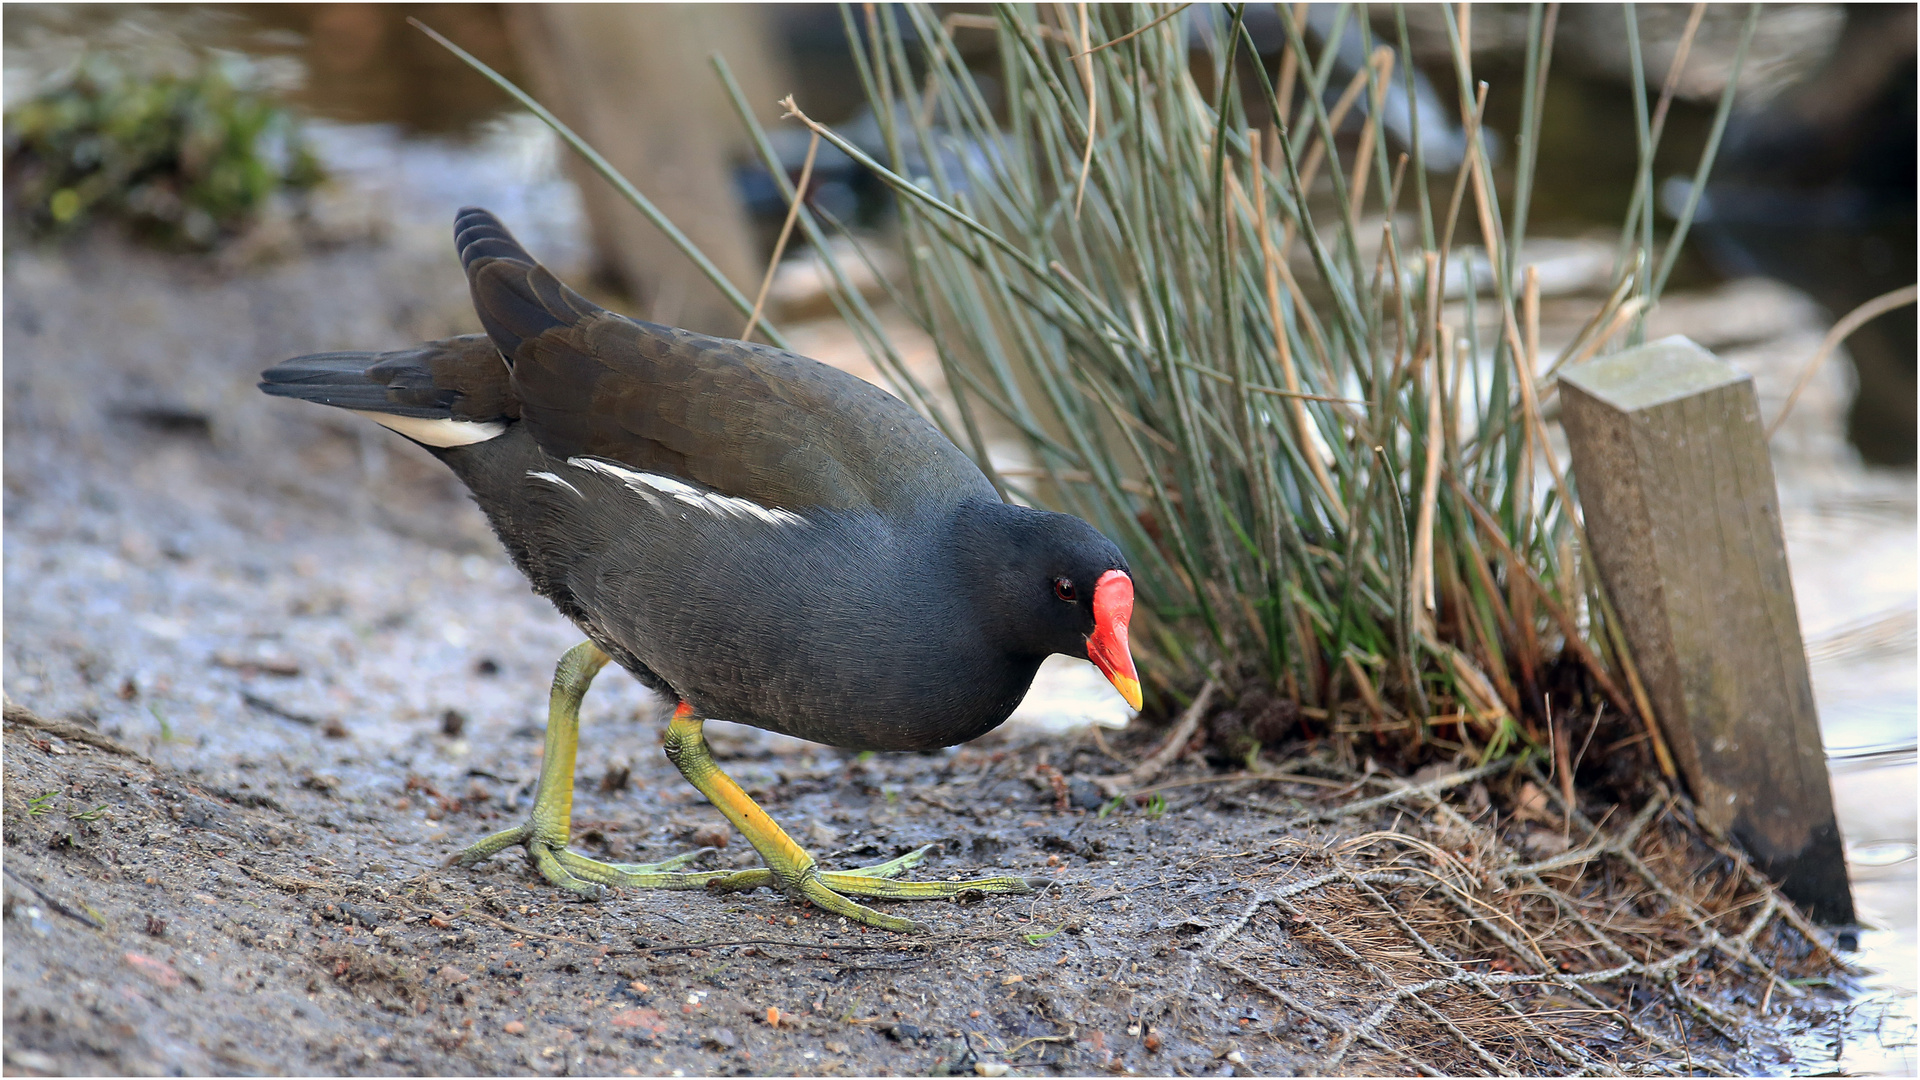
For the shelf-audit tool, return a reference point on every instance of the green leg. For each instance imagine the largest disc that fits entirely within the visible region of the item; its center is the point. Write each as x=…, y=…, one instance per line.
x=548, y=827
x=789, y=866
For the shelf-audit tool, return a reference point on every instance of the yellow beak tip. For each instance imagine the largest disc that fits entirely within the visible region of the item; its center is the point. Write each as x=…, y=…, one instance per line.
x=1129, y=690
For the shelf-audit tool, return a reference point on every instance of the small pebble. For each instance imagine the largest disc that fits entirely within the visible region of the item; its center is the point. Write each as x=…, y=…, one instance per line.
x=33, y=1059
x=990, y=1068
x=452, y=976
x=711, y=836
x=1236, y=1057
x=158, y=970
x=515, y=1027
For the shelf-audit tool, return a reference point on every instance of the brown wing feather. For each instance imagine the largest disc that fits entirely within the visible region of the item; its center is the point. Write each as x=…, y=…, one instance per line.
x=746, y=420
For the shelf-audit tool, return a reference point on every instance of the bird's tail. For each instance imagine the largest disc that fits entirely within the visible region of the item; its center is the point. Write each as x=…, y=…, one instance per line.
x=516, y=298
x=443, y=393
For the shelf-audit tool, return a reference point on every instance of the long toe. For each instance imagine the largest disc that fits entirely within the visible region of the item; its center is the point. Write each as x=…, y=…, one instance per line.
x=558, y=875
x=660, y=875
x=485, y=849
x=855, y=883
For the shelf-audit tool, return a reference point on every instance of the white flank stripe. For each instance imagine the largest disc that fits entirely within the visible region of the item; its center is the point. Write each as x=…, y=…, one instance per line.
x=711, y=501
x=552, y=479
x=438, y=432
x=626, y=476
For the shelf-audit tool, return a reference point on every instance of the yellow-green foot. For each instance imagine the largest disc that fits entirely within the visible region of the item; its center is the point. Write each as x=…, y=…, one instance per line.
x=829, y=889
x=789, y=867
x=590, y=878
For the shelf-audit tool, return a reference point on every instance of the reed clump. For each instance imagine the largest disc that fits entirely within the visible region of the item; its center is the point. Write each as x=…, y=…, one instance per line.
x=1214, y=324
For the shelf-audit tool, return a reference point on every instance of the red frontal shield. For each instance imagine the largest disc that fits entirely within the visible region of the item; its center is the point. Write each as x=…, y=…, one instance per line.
x=1107, y=645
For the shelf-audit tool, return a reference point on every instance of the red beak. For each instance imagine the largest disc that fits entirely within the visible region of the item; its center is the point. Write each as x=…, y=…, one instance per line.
x=1107, y=645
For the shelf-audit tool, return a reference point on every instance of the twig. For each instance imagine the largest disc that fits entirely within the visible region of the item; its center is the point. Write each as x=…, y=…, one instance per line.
x=70, y=731
x=1093, y=112
x=272, y=709
x=1842, y=330
x=786, y=231
x=1673, y=71
x=1381, y=64
x=1274, y=265
x=1568, y=627
x=1131, y=33
x=965, y=21
x=1310, y=168
x=285, y=882
x=1274, y=391
x=57, y=906
x=1622, y=315
x=1250, y=777
x=1421, y=585
x=1169, y=752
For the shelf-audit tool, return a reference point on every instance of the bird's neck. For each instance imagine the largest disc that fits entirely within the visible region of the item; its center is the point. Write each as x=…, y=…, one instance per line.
x=986, y=542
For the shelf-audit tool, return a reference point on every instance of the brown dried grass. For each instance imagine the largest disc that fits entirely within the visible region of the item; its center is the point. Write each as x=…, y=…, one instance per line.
x=1480, y=926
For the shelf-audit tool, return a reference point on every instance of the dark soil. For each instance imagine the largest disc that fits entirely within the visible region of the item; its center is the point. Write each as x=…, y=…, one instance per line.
x=296, y=674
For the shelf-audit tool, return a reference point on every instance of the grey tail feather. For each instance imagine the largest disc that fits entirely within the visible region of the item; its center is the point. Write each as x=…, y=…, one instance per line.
x=341, y=379
x=478, y=234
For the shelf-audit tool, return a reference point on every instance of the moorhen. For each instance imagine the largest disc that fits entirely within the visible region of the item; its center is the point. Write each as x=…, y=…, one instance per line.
x=768, y=539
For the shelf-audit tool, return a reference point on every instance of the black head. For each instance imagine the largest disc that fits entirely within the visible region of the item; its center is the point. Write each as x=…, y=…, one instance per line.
x=1045, y=583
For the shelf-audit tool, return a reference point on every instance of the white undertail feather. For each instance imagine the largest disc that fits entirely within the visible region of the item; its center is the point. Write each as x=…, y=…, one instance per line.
x=441, y=433
x=647, y=485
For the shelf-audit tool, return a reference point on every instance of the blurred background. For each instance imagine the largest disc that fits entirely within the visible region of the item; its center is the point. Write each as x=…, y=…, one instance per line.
x=1814, y=186
x=196, y=191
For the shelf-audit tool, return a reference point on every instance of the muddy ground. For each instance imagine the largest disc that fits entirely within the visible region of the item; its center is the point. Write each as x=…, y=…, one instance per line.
x=300, y=674
x=331, y=679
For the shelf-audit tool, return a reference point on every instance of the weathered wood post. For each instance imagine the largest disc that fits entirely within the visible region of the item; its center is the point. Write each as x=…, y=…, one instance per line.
x=1677, y=491
x=634, y=80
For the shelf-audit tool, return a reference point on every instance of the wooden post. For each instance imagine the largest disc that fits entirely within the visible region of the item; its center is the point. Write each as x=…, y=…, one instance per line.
x=634, y=80
x=1677, y=491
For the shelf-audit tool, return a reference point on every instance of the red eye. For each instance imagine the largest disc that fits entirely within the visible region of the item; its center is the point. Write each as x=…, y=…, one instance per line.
x=1063, y=588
